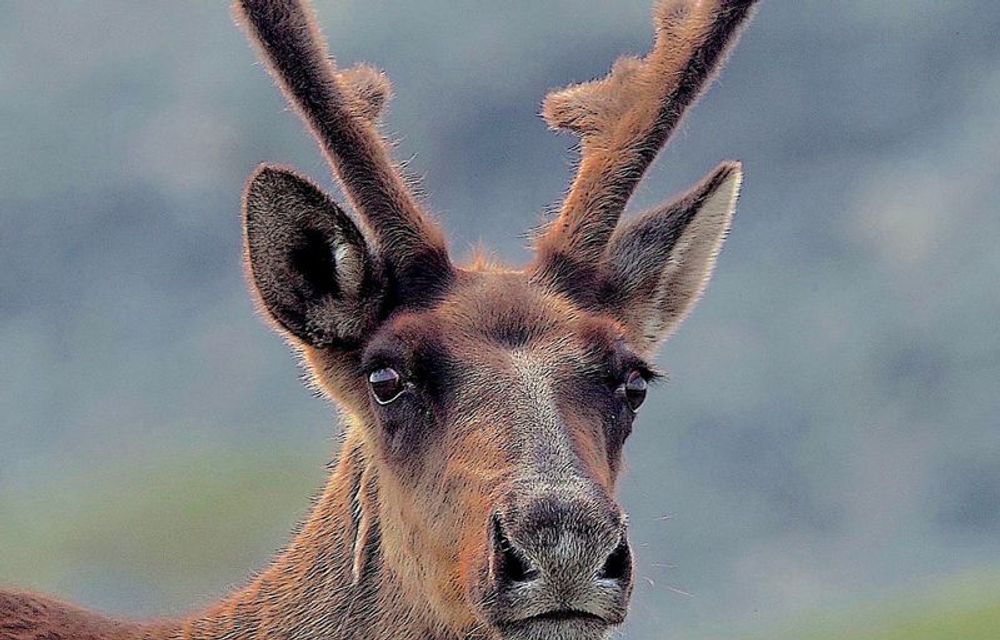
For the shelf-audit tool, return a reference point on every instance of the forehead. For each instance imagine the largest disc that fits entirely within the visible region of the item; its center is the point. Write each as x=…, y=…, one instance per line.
x=488, y=313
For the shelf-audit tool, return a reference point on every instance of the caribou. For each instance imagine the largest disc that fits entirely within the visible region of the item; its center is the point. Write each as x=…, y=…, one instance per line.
x=485, y=407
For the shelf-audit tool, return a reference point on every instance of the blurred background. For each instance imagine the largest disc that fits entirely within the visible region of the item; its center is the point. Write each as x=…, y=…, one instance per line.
x=825, y=460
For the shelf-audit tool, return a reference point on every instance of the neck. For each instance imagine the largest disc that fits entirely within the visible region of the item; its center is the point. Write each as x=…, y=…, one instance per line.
x=330, y=583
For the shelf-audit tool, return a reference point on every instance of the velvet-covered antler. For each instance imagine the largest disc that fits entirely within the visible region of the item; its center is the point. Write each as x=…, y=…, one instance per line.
x=626, y=118
x=341, y=107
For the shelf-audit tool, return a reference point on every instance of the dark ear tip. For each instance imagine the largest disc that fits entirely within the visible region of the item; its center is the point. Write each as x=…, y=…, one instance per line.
x=264, y=171
x=269, y=179
x=726, y=171
x=727, y=168
x=268, y=175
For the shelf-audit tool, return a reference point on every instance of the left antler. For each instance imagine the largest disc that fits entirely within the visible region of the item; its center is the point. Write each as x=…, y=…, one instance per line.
x=624, y=120
x=341, y=107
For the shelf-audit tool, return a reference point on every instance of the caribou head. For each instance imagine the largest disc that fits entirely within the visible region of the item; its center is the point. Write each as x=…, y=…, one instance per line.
x=491, y=404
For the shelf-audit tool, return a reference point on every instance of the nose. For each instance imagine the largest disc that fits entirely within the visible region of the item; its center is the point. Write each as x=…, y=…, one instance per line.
x=572, y=555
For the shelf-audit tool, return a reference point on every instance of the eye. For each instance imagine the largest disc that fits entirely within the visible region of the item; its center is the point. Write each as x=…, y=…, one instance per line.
x=386, y=384
x=635, y=386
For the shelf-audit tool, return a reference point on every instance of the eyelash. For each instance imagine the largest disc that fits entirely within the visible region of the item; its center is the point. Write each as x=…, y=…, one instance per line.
x=652, y=376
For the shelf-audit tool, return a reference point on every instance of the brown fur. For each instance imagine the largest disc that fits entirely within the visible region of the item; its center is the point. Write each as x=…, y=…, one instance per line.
x=626, y=118
x=478, y=502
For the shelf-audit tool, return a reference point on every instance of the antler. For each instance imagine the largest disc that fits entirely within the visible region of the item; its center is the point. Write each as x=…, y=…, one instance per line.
x=341, y=107
x=624, y=120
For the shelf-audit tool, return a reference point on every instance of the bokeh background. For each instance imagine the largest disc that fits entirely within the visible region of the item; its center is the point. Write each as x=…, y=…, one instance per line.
x=825, y=461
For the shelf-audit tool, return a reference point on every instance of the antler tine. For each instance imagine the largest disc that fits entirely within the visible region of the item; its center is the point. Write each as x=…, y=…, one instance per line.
x=625, y=118
x=341, y=107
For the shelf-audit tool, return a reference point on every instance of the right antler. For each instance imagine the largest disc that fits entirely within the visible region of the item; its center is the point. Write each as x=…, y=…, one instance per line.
x=341, y=107
x=624, y=120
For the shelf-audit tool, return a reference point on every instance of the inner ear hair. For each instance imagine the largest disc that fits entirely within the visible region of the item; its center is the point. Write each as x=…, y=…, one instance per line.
x=310, y=265
x=657, y=266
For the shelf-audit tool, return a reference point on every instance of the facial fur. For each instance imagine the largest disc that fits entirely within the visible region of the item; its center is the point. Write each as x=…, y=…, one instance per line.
x=512, y=394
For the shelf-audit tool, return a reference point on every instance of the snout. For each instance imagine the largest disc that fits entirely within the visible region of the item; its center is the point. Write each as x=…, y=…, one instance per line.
x=559, y=566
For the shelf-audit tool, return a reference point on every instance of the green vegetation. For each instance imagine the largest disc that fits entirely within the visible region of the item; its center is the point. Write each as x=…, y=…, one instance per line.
x=966, y=610
x=196, y=526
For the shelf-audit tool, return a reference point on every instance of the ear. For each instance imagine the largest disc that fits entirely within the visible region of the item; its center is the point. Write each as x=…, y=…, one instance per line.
x=312, y=268
x=658, y=265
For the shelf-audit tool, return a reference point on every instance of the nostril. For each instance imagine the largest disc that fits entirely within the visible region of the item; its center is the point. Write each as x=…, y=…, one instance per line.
x=619, y=563
x=509, y=564
x=514, y=568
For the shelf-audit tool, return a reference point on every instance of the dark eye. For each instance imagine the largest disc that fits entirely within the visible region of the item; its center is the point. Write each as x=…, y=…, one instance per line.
x=635, y=390
x=386, y=384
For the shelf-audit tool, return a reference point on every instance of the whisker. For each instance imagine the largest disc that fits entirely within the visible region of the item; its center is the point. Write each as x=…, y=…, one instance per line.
x=679, y=591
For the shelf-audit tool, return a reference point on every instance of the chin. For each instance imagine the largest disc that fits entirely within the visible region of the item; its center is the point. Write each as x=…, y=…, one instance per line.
x=555, y=629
